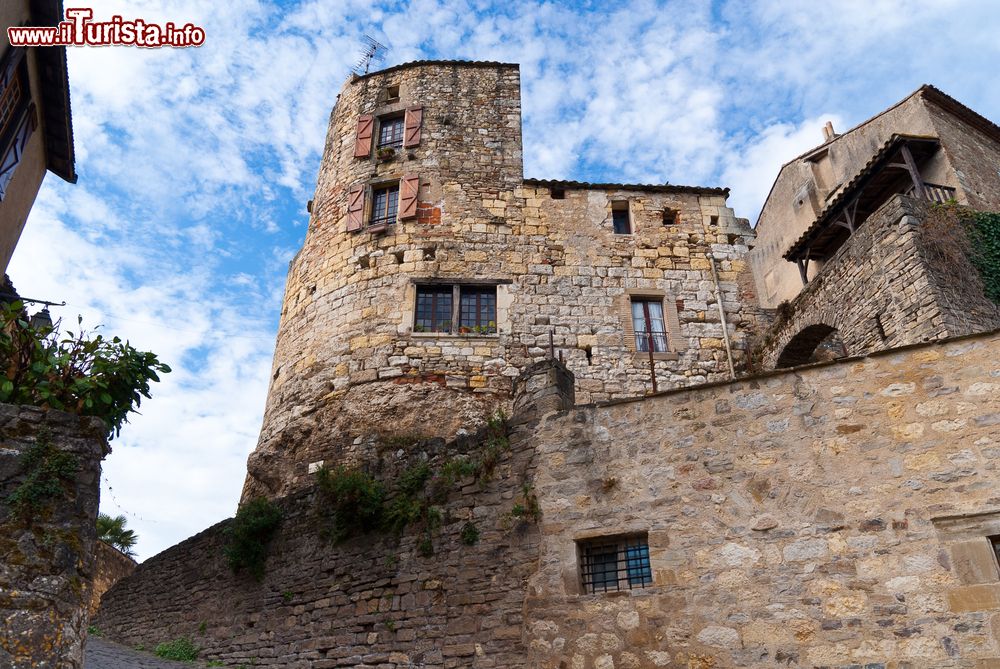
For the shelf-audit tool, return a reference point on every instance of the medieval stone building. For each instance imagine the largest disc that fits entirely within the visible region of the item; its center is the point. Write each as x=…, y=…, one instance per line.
x=873, y=186
x=433, y=272
x=834, y=515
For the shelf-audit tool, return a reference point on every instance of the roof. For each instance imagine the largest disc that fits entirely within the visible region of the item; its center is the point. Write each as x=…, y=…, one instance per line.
x=649, y=188
x=923, y=145
x=418, y=63
x=927, y=92
x=57, y=121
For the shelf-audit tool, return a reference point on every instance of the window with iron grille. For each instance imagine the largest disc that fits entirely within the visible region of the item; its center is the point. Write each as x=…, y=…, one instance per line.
x=610, y=564
x=648, y=325
x=390, y=133
x=436, y=311
x=385, y=204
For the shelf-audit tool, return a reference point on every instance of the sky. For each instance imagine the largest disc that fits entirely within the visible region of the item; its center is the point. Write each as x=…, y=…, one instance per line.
x=195, y=165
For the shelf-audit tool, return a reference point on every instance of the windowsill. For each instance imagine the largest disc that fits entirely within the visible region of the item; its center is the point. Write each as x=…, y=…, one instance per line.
x=643, y=356
x=449, y=335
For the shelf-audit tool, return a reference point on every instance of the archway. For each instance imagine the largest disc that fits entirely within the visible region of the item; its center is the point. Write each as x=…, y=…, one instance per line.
x=815, y=343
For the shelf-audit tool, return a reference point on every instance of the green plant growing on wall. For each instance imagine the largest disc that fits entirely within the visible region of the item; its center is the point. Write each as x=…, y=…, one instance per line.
x=48, y=472
x=470, y=533
x=984, y=237
x=525, y=510
x=249, y=535
x=179, y=649
x=353, y=499
x=112, y=532
x=79, y=373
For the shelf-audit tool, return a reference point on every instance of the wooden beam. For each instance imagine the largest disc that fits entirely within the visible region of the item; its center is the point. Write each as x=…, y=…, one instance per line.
x=803, y=269
x=911, y=165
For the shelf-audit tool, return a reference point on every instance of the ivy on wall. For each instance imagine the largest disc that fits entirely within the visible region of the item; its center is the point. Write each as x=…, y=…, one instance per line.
x=984, y=235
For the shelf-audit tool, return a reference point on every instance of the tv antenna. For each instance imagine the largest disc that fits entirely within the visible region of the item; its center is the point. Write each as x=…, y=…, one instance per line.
x=371, y=51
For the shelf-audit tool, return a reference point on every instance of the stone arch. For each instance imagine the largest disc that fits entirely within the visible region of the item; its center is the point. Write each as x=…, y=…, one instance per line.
x=813, y=343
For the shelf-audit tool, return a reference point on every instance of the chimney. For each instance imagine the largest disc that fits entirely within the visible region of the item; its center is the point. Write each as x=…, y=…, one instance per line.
x=828, y=132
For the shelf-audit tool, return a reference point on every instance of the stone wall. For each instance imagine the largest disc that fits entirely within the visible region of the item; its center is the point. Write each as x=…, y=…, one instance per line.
x=373, y=601
x=834, y=516
x=886, y=287
x=47, y=551
x=110, y=566
x=347, y=344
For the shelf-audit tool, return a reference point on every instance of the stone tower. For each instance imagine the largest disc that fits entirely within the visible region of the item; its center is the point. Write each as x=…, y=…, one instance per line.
x=433, y=272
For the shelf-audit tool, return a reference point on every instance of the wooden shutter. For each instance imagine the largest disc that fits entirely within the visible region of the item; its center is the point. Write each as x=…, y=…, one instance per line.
x=363, y=140
x=673, y=322
x=355, y=208
x=411, y=133
x=409, y=185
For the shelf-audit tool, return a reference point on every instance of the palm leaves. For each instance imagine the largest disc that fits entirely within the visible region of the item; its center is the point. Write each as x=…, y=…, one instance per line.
x=112, y=531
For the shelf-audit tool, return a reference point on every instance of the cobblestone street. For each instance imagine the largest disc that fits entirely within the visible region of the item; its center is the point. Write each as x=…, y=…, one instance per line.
x=103, y=654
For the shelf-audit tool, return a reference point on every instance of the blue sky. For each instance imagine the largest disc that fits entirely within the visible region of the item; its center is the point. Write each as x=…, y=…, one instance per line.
x=195, y=165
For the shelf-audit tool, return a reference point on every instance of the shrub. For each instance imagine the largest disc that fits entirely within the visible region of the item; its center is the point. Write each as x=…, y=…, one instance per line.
x=179, y=649
x=354, y=500
x=249, y=534
x=91, y=376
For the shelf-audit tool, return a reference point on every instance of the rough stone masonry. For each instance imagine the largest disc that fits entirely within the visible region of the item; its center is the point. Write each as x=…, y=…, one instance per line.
x=351, y=359
x=834, y=516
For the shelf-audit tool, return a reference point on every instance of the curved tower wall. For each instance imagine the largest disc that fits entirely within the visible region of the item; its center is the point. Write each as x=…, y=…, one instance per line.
x=351, y=368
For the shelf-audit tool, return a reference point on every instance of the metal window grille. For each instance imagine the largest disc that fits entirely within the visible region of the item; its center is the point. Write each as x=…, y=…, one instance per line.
x=390, y=133
x=385, y=202
x=478, y=308
x=613, y=564
x=433, y=313
x=648, y=325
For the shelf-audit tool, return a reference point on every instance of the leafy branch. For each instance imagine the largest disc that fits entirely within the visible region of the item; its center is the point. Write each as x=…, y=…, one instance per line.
x=77, y=372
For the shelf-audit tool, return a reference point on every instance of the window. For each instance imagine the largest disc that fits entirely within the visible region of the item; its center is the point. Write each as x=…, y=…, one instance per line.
x=385, y=202
x=390, y=133
x=392, y=93
x=671, y=216
x=648, y=325
x=620, y=218
x=615, y=563
x=17, y=115
x=558, y=193
x=433, y=312
x=995, y=543
x=476, y=313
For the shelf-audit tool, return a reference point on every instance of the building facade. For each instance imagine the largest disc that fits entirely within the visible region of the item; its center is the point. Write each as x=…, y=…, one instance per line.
x=433, y=272
x=36, y=133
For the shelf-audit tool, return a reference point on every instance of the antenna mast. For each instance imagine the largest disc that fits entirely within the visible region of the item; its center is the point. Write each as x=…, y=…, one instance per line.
x=371, y=51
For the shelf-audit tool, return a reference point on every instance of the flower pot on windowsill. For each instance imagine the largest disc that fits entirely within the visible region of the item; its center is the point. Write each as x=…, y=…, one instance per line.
x=378, y=228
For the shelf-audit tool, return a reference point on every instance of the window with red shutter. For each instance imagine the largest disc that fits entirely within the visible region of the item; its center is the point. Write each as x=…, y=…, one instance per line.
x=414, y=119
x=363, y=139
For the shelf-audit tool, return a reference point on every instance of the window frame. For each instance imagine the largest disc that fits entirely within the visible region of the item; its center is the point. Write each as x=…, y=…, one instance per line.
x=628, y=556
x=22, y=121
x=396, y=143
x=455, y=325
x=649, y=339
x=391, y=205
x=621, y=208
